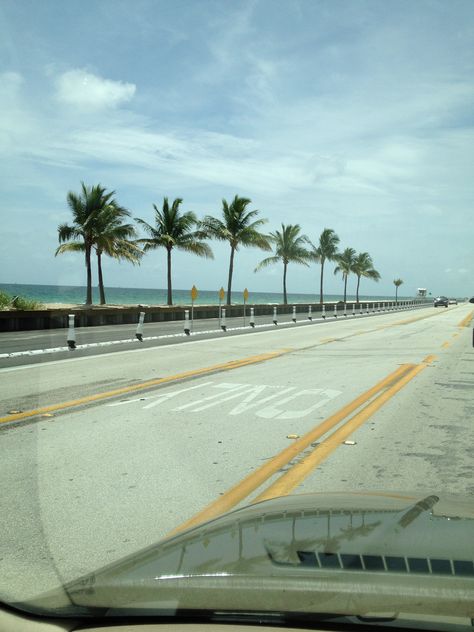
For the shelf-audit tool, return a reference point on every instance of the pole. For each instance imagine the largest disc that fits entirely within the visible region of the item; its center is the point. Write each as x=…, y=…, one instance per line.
x=187, y=330
x=252, y=317
x=323, y=314
x=294, y=314
x=223, y=325
x=71, y=334
x=335, y=310
x=275, y=321
x=310, y=315
x=345, y=310
x=139, y=332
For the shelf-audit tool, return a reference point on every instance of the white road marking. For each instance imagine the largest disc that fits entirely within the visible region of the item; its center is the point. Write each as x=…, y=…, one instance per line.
x=253, y=391
x=274, y=412
x=167, y=396
x=159, y=397
x=215, y=399
x=252, y=400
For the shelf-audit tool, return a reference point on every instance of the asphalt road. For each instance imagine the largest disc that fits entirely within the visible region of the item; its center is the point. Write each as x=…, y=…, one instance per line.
x=195, y=429
x=25, y=347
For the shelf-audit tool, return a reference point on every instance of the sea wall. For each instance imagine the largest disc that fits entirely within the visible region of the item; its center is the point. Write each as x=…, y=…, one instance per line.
x=94, y=316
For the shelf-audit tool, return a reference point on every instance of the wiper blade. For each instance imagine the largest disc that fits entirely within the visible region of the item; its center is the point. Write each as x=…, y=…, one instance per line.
x=418, y=508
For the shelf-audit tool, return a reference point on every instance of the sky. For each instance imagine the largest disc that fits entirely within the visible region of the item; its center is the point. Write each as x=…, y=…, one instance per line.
x=347, y=114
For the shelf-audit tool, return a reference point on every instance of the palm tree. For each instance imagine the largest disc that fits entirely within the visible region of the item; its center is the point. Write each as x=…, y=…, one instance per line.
x=113, y=238
x=326, y=250
x=397, y=283
x=239, y=228
x=174, y=229
x=364, y=267
x=289, y=247
x=345, y=262
x=79, y=237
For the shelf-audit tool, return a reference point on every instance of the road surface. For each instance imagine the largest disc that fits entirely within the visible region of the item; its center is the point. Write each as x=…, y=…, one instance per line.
x=109, y=453
x=25, y=347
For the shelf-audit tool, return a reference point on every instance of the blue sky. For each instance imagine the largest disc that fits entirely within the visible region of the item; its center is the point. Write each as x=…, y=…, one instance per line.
x=354, y=115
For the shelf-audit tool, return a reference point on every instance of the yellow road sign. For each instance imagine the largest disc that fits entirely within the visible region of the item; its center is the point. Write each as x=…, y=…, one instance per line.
x=194, y=293
x=221, y=294
x=246, y=295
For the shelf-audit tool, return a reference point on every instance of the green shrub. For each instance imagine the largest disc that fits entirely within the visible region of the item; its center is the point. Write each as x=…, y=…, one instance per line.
x=9, y=302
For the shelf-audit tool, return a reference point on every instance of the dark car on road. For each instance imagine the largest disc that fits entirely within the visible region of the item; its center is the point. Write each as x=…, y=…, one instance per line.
x=441, y=301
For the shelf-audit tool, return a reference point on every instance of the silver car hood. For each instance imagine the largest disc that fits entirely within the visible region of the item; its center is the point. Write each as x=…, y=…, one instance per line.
x=352, y=553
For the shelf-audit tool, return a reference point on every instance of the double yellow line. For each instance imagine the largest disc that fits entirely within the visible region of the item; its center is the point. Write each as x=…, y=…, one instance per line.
x=374, y=398
x=466, y=321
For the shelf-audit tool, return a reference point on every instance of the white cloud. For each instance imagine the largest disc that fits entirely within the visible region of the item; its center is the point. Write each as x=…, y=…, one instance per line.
x=10, y=84
x=85, y=90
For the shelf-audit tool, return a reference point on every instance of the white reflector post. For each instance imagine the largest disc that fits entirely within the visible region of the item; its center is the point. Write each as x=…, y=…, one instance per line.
x=345, y=309
x=324, y=311
x=275, y=319
x=294, y=314
x=223, y=325
x=353, y=309
x=187, y=330
x=310, y=315
x=71, y=334
x=335, y=310
x=139, y=332
x=252, y=317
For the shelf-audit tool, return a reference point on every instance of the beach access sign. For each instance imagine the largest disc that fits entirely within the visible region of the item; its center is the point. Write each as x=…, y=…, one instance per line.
x=194, y=293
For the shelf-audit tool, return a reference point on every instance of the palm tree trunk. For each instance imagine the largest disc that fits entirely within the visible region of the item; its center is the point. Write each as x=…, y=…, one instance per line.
x=345, y=287
x=357, y=291
x=170, y=289
x=396, y=295
x=89, y=275
x=231, y=272
x=285, y=299
x=101, y=280
x=321, y=299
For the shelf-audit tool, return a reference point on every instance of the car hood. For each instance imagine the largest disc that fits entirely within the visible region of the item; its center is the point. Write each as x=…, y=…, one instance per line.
x=342, y=552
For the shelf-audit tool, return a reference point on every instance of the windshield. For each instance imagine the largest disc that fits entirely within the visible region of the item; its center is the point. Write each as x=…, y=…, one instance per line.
x=229, y=367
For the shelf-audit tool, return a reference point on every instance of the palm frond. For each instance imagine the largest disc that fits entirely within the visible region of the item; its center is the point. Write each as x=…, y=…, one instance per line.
x=71, y=246
x=269, y=261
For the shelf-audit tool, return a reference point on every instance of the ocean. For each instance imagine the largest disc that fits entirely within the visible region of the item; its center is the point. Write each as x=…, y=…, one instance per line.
x=147, y=296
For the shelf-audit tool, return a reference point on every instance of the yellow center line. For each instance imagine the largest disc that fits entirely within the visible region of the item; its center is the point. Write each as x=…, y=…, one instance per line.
x=226, y=366
x=466, y=320
x=407, y=321
x=301, y=470
x=254, y=480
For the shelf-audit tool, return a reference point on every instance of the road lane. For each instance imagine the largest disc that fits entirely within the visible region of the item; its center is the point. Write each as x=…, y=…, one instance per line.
x=87, y=486
x=20, y=348
x=52, y=381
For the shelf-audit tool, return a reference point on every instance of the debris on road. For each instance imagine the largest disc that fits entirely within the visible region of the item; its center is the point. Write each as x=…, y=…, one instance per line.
x=349, y=442
x=292, y=436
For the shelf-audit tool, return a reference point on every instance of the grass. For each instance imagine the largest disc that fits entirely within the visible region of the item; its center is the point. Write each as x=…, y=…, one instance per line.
x=9, y=302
